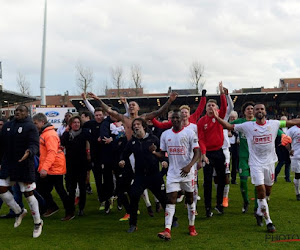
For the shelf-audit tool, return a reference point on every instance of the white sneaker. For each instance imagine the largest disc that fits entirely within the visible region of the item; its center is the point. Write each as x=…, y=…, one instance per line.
x=20, y=217
x=37, y=230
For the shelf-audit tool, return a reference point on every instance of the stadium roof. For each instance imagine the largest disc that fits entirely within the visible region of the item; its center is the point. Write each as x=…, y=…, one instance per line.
x=8, y=98
x=149, y=103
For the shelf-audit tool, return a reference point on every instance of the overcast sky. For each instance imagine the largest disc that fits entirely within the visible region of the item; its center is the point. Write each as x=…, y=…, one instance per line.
x=243, y=43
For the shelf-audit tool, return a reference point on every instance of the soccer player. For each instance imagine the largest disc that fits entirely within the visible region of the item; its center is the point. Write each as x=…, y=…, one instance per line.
x=143, y=145
x=21, y=142
x=182, y=147
x=211, y=140
x=133, y=112
x=294, y=133
x=261, y=136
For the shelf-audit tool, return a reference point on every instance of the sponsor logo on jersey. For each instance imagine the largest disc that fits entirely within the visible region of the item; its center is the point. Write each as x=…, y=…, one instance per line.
x=176, y=150
x=264, y=139
x=20, y=129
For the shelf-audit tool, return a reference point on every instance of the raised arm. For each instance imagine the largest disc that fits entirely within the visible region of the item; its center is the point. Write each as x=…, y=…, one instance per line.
x=106, y=108
x=223, y=107
x=196, y=115
x=87, y=103
x=126, y=105
x=222, y=122
x=229, y=103
x=162, y=125
x=150, y=116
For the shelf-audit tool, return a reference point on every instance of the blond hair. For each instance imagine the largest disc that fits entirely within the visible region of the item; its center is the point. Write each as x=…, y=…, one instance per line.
x=185, y=107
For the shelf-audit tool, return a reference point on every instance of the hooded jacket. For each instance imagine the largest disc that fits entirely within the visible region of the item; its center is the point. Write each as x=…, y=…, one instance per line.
x=52, y=158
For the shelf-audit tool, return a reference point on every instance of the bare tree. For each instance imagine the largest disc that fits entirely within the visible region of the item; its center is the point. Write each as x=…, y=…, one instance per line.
x=84, y=78
x=23, y=84
x=117, y=78
x=136, y=76
x=196, y=75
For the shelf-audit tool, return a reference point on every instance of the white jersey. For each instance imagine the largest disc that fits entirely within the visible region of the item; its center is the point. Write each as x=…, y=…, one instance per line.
x=294, y=133
x=193, y=127
x=261, y=141
x=179, y=146
x=226, y=142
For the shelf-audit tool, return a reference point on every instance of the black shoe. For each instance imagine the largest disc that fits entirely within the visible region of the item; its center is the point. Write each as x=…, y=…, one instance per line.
x=107, y=207
x=80, y=212
x=7, y=216
x=245, y=207
x=288, y=180
x=219, y=209
x=209, y=213
x=298, y=197
x=157, y=207
x=271, y=228
x=131, y=229
x=259, y=220
x=150, y=211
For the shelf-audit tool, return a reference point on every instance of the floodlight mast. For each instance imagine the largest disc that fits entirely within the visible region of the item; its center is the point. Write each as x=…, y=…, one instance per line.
x=42, y=84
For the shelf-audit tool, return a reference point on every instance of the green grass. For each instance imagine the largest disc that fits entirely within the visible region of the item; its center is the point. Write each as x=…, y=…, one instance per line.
x=96, y=230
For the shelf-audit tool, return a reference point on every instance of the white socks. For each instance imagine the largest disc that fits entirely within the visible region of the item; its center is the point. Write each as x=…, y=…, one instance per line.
x=263, y=210
x=226, y=190
x=169, y=213
x=145, y=196
x=34, y=207
x=297, y=184
x=8, y=198
x=191, y=214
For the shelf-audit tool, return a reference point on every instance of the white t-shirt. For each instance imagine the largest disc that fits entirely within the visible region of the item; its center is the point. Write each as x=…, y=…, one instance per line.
x=261, y=141
x=294, y=133
x=179, y=146
x=193, y=127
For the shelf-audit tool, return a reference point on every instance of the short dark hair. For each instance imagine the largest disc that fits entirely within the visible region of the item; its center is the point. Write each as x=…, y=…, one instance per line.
x=246, y=104
x=98, y=109
x=144, y=123
x=176, y=111
x=71, y=120
x=87, y=114
x=24, y=106
x=40, y=117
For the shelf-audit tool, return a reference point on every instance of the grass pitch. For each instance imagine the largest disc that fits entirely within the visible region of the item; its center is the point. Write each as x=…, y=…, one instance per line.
x=97, y=230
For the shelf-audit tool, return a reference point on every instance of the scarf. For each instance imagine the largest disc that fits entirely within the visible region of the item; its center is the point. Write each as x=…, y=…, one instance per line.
x=73, y=134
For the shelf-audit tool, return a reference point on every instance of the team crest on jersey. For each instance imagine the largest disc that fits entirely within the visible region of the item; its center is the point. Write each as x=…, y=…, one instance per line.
x=269, y=128
x=20, y=129
x=8, y=129
x=213, y=120
x=169, y=139
x=133, y=142
x=205, y=126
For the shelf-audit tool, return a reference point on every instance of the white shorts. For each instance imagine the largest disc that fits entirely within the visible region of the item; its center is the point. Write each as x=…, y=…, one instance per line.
x=263, y=175
x=187, y=186
x=24, y=187
x=295, y=165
